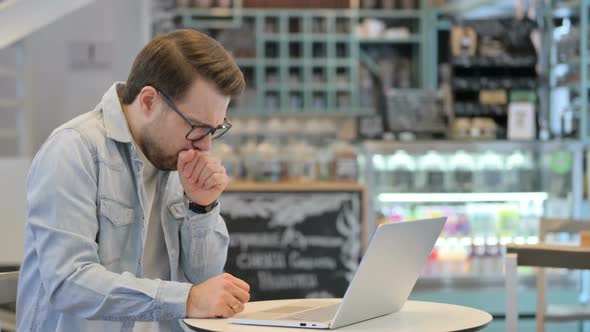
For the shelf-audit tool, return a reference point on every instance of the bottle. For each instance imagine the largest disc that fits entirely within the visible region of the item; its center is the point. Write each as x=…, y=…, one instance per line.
x=520, y=172
x=345, y=163
x=462, y=166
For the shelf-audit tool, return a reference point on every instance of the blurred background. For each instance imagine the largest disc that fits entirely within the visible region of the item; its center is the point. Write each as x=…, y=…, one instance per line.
x=384, y=110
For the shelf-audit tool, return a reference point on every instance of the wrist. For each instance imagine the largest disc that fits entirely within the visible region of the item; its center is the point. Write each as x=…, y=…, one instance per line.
x=199, y=208
x=189, y=303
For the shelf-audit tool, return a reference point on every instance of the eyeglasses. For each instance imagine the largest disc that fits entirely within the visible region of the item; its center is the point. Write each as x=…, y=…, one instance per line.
x=198, y=132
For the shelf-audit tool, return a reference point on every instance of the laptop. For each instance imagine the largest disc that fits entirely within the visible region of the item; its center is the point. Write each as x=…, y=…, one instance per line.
x=381, y=285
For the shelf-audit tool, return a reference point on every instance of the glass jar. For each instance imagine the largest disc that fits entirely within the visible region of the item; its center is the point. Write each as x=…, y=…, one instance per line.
x=462, y=166
x=490, y=168
x=301, y=162
x=345, y=163
x=382, y=172
x=268, y=165
x=402, y=168
x=228, y=159
x=432, y=169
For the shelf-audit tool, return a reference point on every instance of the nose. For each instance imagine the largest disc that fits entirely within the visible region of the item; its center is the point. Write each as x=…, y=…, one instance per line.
x=203, y=144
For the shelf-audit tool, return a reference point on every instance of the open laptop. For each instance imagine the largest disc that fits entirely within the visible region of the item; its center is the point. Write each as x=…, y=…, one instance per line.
x=381, y=285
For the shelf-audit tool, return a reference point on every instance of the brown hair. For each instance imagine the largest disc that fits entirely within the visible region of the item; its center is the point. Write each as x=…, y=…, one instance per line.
x=171, y=63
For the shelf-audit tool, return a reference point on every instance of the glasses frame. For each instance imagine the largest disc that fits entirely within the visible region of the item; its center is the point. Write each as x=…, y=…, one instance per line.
x=225, y=126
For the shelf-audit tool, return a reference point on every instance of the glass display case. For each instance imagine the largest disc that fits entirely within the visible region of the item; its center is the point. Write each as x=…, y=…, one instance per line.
x=493, y=193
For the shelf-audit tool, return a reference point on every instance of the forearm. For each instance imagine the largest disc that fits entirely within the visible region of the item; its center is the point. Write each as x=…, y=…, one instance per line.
x=204, y=243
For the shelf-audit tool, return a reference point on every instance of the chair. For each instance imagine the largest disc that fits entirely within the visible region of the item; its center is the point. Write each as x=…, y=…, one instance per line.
x=8, y=287
x=546, y=255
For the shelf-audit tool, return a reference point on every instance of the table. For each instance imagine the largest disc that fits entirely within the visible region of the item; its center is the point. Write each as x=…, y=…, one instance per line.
x=414, y=316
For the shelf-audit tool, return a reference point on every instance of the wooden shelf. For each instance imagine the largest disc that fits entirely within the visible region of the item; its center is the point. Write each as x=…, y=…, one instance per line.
x=382, y=40
x=393, y=14
x=295, y=186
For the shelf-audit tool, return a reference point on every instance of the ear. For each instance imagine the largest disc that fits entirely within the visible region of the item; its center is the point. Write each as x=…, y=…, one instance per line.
x=147, y=99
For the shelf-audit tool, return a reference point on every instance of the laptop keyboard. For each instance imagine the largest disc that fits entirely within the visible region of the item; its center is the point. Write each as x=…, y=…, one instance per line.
x=315, y=315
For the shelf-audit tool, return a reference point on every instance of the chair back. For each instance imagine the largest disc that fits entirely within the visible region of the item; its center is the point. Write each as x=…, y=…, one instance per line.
x=8, y=287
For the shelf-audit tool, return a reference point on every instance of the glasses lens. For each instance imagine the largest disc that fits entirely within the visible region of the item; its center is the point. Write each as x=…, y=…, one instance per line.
x=220, y=131
x=198, y=133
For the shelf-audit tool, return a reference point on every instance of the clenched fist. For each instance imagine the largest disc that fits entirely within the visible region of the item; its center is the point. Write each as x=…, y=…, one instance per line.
x=220, y=296
x=202, y=176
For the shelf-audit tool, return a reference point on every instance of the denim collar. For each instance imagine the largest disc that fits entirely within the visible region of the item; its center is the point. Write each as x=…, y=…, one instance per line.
x=115, y=121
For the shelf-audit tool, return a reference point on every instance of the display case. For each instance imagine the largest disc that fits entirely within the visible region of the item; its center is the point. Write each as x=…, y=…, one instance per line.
x=493, y=193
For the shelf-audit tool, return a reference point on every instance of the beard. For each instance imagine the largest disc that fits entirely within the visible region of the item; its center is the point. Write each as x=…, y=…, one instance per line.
x=155, y=152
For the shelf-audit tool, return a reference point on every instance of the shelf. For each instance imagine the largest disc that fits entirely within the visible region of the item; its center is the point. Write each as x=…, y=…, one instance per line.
x=477, y=89
x=575, y=85
x=412, y=39
x=492, y=240
x=206, y=12
x=247, y=62
x=490, y=62
x=568, y=9
x=295, y=186
x=343, y=112
x=469, y=146
x=326, y=44
x=275, y=62
x=279, y=37
x=387, y=13
x=386, y=197
x=306, y=37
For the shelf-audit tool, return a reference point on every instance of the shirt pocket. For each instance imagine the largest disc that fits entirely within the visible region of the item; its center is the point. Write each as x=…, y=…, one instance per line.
x=117, y=234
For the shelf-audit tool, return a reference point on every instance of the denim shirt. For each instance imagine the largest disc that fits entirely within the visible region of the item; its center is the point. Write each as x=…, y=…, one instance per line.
x=84, y=234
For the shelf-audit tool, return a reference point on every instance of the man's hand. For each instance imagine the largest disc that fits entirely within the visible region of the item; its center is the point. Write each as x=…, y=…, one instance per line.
x=220, y=296
x=202, y=176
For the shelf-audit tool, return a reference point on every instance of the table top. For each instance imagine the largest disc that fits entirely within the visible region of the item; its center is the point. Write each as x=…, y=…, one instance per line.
x=414, y=316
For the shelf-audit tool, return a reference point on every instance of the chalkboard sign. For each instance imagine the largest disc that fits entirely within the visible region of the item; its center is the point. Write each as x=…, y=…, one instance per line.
x=294, y=244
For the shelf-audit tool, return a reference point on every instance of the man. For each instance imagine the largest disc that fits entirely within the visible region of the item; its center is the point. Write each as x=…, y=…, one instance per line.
x=123, y=228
